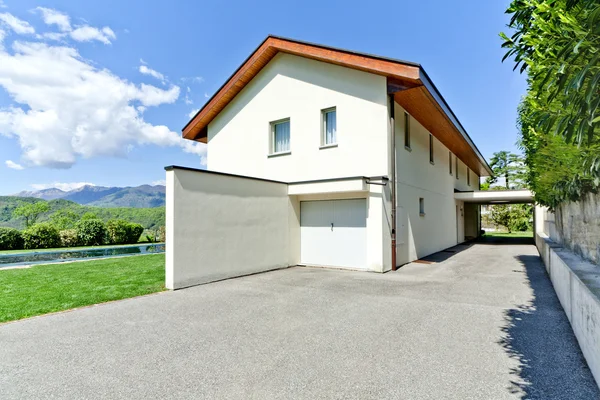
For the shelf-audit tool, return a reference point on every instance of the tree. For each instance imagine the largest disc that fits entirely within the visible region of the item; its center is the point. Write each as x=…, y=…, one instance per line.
x=557, y=42
x=511, y=167
x=64, y=219
x=514, y=217
x=31, y=212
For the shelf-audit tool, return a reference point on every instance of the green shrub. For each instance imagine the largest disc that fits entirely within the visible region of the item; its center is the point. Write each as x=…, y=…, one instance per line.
x=161, y=234
x=119, y=231
x=69, y=238
x=135, y=231
x=10, y=239
x=41, y=236
x=90, y=232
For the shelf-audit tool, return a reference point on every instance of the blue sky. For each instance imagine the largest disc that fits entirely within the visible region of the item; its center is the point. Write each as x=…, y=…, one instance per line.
x=109, y=84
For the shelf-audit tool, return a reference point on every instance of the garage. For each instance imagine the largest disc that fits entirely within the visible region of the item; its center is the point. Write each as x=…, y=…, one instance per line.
x=334, y=233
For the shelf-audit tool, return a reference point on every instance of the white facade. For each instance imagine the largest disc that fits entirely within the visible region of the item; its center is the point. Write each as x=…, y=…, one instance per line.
x=352, y=175
x=299, y=88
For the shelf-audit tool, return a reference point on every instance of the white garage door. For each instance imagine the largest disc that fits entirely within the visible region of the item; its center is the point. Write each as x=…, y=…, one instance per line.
x=334, y=233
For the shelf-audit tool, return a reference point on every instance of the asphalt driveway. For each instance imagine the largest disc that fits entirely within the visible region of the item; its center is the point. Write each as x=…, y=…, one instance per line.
x=483, y=323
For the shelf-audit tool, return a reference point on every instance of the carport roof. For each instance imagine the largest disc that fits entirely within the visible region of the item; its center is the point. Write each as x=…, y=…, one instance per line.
x=407, y=81
x=496, y=196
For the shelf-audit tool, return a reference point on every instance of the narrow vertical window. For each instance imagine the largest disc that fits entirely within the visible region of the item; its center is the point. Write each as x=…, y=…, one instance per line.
x=407, y=130
x=431, y=148
x=450, y=162
x=421, y=206
x=280, y=140
x=329, y=136
x=468, y=177
x=456, y=166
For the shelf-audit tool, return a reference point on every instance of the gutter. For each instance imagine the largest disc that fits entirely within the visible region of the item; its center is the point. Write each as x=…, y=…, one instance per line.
x=393, y=175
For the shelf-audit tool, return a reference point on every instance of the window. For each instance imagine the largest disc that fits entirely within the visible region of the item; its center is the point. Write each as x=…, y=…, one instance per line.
x=421, y=206
x=407, y=131
x=456, y=166
x=280, y=136
x=450, y=162
x=468, y=177
x=329, y=134
x=431, y=149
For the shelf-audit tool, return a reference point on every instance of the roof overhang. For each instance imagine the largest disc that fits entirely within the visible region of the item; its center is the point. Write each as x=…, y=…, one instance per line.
x=496, y=197
x=411, y=87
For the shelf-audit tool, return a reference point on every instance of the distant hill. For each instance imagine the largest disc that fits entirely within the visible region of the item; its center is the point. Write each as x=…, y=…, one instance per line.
x=144, y=196
x=149, y=218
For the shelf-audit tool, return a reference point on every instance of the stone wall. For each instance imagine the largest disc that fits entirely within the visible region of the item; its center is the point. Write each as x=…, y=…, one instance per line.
x=578, y=227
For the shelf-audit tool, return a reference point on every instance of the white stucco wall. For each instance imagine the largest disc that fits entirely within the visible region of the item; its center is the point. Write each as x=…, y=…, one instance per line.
x=223, y=226
x=299, y=88
x=419, y=236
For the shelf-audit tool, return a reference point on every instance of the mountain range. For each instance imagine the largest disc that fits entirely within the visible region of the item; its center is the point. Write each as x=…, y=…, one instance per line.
x=143, y=196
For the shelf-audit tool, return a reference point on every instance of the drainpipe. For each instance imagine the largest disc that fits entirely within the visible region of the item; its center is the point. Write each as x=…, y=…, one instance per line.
x=393, y=177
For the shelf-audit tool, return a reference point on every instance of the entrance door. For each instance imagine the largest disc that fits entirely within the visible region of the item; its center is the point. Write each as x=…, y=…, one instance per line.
x=334, y=233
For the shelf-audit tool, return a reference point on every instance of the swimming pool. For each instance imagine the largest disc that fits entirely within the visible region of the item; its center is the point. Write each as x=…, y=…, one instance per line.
x=43, y=257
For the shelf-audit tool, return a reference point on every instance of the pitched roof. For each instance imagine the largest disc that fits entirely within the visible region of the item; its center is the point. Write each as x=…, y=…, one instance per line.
x=408, y=81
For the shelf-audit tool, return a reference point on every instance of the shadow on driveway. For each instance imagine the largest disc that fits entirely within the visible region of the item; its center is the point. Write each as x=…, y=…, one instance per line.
x=539, y=337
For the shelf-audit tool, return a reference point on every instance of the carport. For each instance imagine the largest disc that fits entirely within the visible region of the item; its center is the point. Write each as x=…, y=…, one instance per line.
x=473, y=200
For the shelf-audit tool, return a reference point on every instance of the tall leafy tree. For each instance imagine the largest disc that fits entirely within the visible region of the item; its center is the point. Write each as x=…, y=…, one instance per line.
x=509, y=166
x=557, y=42
x=30, y=212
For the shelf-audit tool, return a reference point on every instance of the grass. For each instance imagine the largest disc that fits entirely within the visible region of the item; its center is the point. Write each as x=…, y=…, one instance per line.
x=71, y=248
x=509, y=235
x=47, y=288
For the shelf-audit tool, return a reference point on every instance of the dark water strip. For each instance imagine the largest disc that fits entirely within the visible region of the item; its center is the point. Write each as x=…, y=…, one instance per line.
x=14, y=260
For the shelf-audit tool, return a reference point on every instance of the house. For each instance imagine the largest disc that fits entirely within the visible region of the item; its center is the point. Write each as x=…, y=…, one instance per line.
x=320, y=156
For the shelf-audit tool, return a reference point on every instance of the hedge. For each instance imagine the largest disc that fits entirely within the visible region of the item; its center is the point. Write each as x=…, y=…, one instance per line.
x=10, y=239
x=119, y=231
x=69, y=238
x=41, y=236
x=91, y=232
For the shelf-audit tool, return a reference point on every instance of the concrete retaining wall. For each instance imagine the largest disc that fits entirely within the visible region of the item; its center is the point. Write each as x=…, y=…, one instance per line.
x=221, y=226
x=577, y=227
x=577, y=285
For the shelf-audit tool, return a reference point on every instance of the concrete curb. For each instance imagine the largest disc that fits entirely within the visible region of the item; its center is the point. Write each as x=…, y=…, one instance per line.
x=577, y=285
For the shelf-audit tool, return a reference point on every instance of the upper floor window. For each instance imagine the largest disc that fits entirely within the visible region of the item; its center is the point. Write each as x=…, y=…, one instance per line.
x=450, y=162
x=468, y=177
x=456, y=166
x=329, y=134
x=280, y=136
x=407, y=130
x=431, y=149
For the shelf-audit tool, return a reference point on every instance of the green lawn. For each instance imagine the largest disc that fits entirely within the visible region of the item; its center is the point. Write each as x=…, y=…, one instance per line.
x=72, y=248
x=509, y=235
x=47, y=288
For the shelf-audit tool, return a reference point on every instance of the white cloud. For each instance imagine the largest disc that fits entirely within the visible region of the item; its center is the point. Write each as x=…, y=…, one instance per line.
x=65, y=108
x=193, y=79
x=88, y=33
x=206, y=95
x=52, y=36
x=53, y=17
x=2, y=5
x=13, y=165
x=149, y=71
x=18, y=25
x=160, y=182
x=193, y=112
x=62, y=186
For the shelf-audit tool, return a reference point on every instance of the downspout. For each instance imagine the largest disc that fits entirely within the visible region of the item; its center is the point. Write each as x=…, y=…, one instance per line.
x=393, y=177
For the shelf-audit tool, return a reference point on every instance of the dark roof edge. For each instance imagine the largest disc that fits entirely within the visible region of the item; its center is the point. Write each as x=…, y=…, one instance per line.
x=428, y=82
x=346, y=178
x=206, y=171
